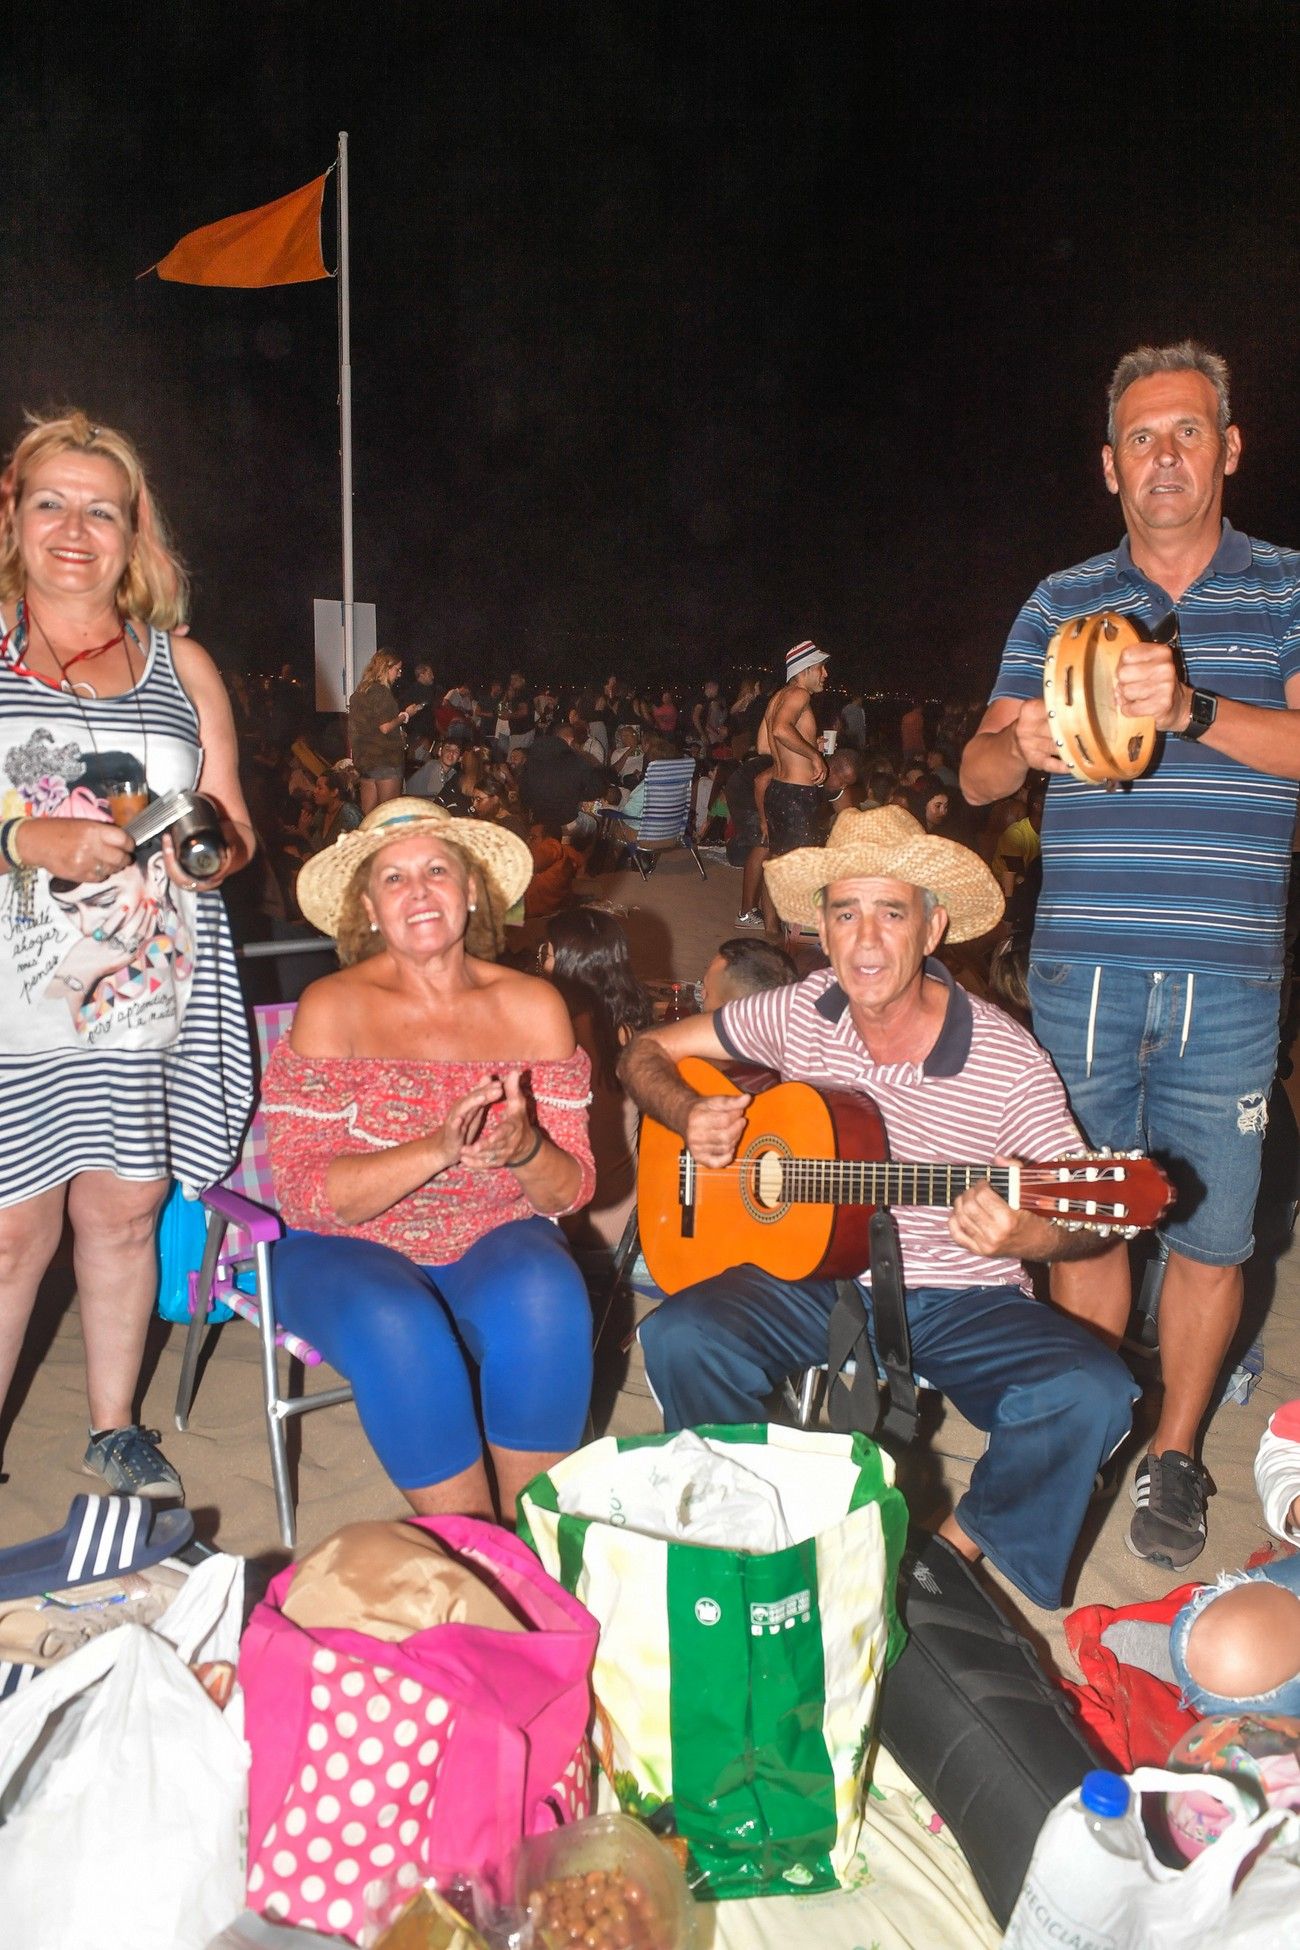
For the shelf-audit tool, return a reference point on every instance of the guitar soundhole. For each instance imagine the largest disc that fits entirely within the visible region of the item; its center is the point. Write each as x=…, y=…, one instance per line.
x=760, y=1179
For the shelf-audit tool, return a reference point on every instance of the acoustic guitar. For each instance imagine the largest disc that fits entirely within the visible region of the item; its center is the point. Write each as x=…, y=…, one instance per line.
x=813, y=1165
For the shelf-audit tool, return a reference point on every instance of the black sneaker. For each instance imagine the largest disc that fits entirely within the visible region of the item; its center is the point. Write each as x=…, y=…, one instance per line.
x=1168, y=1524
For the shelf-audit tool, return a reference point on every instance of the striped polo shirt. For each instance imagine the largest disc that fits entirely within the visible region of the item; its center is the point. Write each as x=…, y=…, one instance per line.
x=1185, y=868
x=985, y=1091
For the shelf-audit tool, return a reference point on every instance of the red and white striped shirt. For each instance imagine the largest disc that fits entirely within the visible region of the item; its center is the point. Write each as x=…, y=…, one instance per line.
x=985, y=1091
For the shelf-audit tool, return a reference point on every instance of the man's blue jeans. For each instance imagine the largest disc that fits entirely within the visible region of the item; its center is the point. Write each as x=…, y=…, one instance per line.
x=1054, y=1401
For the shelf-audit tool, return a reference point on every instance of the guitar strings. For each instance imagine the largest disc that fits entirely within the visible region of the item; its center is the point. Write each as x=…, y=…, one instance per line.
x=979, y=1174
x=1068, y=1195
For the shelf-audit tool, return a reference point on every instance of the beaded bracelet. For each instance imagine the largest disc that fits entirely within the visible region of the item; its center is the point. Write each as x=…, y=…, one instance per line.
x=22, y=877
x=517, y=1164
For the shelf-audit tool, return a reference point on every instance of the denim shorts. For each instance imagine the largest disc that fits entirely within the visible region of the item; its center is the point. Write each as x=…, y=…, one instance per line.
x=1284, y=1698
x=1176, y=1065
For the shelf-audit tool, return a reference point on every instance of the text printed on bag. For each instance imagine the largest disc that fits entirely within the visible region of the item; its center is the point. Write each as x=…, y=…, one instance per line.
x=781, y=1616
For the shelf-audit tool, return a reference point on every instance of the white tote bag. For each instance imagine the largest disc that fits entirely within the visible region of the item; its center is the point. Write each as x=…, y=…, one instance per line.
x=123, y=1788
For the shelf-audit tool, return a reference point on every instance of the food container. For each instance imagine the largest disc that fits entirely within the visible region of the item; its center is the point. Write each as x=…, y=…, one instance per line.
x=611, y=1875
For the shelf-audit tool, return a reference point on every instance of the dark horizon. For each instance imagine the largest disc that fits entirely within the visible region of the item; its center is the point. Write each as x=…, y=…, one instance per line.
x=678, y=334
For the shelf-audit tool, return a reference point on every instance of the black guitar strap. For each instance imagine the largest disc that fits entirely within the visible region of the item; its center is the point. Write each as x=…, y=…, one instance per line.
x=854, y=1402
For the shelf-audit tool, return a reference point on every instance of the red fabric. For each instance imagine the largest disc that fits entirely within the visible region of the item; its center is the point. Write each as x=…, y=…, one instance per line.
x=1285, y=1421
x=318, y=1108
x=555, y=868
x=1133, y=1716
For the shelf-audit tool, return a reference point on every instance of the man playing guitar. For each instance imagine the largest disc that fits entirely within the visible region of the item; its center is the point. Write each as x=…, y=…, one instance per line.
x=954, y=1078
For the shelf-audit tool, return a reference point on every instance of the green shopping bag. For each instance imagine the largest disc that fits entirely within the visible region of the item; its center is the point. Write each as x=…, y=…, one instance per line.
x=741, y=1686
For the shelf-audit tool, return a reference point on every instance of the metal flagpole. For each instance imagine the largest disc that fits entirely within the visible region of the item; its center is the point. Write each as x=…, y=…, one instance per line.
x=345, y=419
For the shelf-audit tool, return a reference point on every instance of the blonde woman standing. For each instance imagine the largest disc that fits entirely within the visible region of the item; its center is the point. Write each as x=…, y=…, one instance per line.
x=376, y=722
x=124, y=1057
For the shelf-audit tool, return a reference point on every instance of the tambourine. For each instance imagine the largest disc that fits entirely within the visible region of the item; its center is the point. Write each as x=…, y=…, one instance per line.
x=1098, y=742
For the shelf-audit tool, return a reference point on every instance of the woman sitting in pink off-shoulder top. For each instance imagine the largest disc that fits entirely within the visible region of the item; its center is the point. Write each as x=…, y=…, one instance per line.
x=428, y=1123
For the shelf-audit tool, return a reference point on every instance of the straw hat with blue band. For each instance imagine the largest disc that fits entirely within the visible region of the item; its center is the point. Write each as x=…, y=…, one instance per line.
x=502, y=859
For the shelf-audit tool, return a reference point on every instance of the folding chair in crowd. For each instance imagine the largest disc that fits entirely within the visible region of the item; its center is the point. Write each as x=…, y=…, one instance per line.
x=237, y=1268
x=666, y=817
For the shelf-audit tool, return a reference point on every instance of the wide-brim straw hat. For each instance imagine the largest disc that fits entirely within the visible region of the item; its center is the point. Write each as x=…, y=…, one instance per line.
x=502, y=858
x=888, y=845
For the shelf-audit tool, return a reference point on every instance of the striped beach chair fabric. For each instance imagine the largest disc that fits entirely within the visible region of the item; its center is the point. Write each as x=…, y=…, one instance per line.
x=665, y=820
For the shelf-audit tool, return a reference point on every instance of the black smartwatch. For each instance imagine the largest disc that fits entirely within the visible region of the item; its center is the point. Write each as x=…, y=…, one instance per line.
x=1205, y=709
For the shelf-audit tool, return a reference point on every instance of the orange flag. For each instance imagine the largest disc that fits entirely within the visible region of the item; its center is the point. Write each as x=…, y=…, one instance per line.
x=278, y=243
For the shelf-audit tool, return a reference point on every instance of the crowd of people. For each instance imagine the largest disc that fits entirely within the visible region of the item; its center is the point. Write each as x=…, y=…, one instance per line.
x=931, y=908
x=549, y=762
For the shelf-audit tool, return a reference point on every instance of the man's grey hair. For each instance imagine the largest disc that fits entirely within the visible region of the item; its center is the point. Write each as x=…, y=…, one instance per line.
x=1189, y=355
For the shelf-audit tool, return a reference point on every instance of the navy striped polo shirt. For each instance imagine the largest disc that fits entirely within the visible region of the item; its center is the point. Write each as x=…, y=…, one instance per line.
x=1185, y=868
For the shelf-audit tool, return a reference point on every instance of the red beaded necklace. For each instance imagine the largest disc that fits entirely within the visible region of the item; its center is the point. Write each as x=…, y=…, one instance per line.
x=26, y=614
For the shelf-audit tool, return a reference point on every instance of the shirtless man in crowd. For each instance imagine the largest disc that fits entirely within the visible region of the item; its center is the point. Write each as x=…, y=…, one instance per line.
x=790, y=802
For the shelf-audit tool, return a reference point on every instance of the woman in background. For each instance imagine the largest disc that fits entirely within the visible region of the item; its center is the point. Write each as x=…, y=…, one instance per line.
x=376, y=722
x=665, y=715
x=585, y=953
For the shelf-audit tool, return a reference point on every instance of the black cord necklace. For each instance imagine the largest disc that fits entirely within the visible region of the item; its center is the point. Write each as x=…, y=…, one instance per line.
x=17, y=640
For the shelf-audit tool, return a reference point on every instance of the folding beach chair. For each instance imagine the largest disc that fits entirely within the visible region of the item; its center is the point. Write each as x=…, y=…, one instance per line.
x=666, y=818
x=242, y=1228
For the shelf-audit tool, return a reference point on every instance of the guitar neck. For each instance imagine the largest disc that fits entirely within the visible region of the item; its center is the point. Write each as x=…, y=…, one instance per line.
x=850, y=1181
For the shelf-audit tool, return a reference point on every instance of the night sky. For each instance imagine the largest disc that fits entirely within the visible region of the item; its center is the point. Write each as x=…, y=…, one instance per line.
x=680, y=332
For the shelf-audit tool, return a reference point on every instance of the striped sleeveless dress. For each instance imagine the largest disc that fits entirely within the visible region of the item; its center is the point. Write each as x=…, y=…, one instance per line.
x=123, y=1036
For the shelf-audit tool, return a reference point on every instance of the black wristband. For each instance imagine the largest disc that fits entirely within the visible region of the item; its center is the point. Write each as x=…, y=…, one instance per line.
x=517, y=1164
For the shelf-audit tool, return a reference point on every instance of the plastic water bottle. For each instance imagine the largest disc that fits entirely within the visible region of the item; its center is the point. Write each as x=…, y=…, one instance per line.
x=1078, y=1892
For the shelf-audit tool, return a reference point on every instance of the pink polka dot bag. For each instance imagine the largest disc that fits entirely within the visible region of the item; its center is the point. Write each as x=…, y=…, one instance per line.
x=378, y=1763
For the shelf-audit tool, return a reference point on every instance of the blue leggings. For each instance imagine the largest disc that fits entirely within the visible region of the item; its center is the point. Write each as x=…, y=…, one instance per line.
x=405, y=1336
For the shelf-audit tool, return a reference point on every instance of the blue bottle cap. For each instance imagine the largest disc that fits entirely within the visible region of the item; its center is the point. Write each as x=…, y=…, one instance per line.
x=1105, y=1794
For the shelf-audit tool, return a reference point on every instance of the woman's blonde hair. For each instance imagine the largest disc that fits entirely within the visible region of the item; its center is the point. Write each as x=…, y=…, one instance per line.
x=357, y=941
x=383, y=665
x=154, y=585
